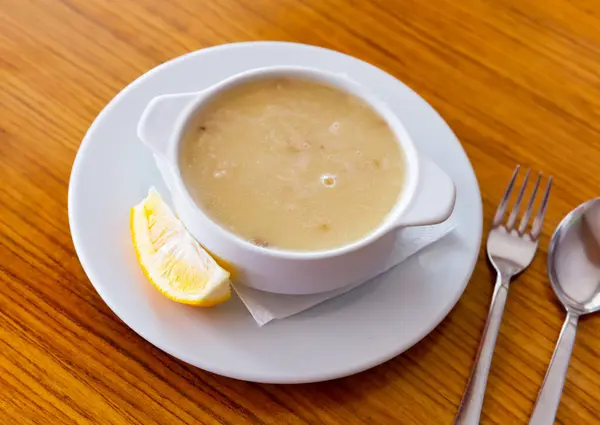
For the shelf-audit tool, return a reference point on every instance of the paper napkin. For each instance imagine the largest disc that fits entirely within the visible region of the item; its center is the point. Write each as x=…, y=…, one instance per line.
x=266, y=306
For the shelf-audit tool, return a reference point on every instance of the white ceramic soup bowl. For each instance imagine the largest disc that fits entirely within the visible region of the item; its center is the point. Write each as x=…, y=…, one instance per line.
x=427, y=197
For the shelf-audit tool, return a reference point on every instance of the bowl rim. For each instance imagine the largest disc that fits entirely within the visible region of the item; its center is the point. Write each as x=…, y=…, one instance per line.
x=339, y=81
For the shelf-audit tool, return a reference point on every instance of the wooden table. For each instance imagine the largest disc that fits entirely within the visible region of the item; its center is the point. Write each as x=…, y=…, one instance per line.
x=518, y=81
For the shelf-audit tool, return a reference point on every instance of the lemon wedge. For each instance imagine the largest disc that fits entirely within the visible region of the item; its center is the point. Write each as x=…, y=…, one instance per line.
x=172, y=259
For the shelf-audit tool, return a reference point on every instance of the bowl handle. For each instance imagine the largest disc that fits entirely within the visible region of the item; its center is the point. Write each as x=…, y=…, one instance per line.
x=434, y=199
x=157, y=123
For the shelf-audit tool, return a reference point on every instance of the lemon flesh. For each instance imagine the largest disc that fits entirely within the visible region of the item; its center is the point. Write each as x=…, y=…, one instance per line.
x=172, y=260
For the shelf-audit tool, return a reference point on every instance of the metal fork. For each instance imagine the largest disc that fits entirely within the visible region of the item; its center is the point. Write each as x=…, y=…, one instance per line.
x=510, y=249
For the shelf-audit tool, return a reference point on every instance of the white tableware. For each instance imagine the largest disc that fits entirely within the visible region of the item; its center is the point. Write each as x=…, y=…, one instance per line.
x=363, y=328
x=427, y=197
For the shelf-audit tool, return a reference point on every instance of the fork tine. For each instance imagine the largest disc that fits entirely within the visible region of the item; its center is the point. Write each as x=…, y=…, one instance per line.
x=536, y=228
x=512, y=218
x=502, y=207
x=528, y=211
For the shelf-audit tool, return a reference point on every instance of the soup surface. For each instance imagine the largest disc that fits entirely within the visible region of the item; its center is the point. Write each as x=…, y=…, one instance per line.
x=292, y=164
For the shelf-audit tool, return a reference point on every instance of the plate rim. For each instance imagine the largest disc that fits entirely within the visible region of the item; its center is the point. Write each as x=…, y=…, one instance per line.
x=78, y=238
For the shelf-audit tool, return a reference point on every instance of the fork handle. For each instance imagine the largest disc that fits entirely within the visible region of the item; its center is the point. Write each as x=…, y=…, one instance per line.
x=548, y=400
x=469, y=410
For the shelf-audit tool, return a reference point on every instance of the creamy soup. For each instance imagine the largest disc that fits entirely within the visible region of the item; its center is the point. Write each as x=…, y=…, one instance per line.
x=292, y=164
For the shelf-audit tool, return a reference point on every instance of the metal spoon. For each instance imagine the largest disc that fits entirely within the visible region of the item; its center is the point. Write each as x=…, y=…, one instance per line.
x=574, y=269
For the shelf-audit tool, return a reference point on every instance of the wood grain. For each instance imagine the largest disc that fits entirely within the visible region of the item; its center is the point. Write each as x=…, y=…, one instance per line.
x=518, y=82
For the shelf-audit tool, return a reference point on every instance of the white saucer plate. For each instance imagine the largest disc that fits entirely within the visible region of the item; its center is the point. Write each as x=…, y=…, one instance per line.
x=354, y=332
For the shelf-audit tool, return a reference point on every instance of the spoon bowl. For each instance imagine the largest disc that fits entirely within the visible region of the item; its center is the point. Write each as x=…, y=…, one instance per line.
x=574, y=270
x=574, y=259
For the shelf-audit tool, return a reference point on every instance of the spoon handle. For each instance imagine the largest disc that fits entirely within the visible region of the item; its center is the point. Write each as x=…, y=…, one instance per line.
x=548, y=399
x=472, y=401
